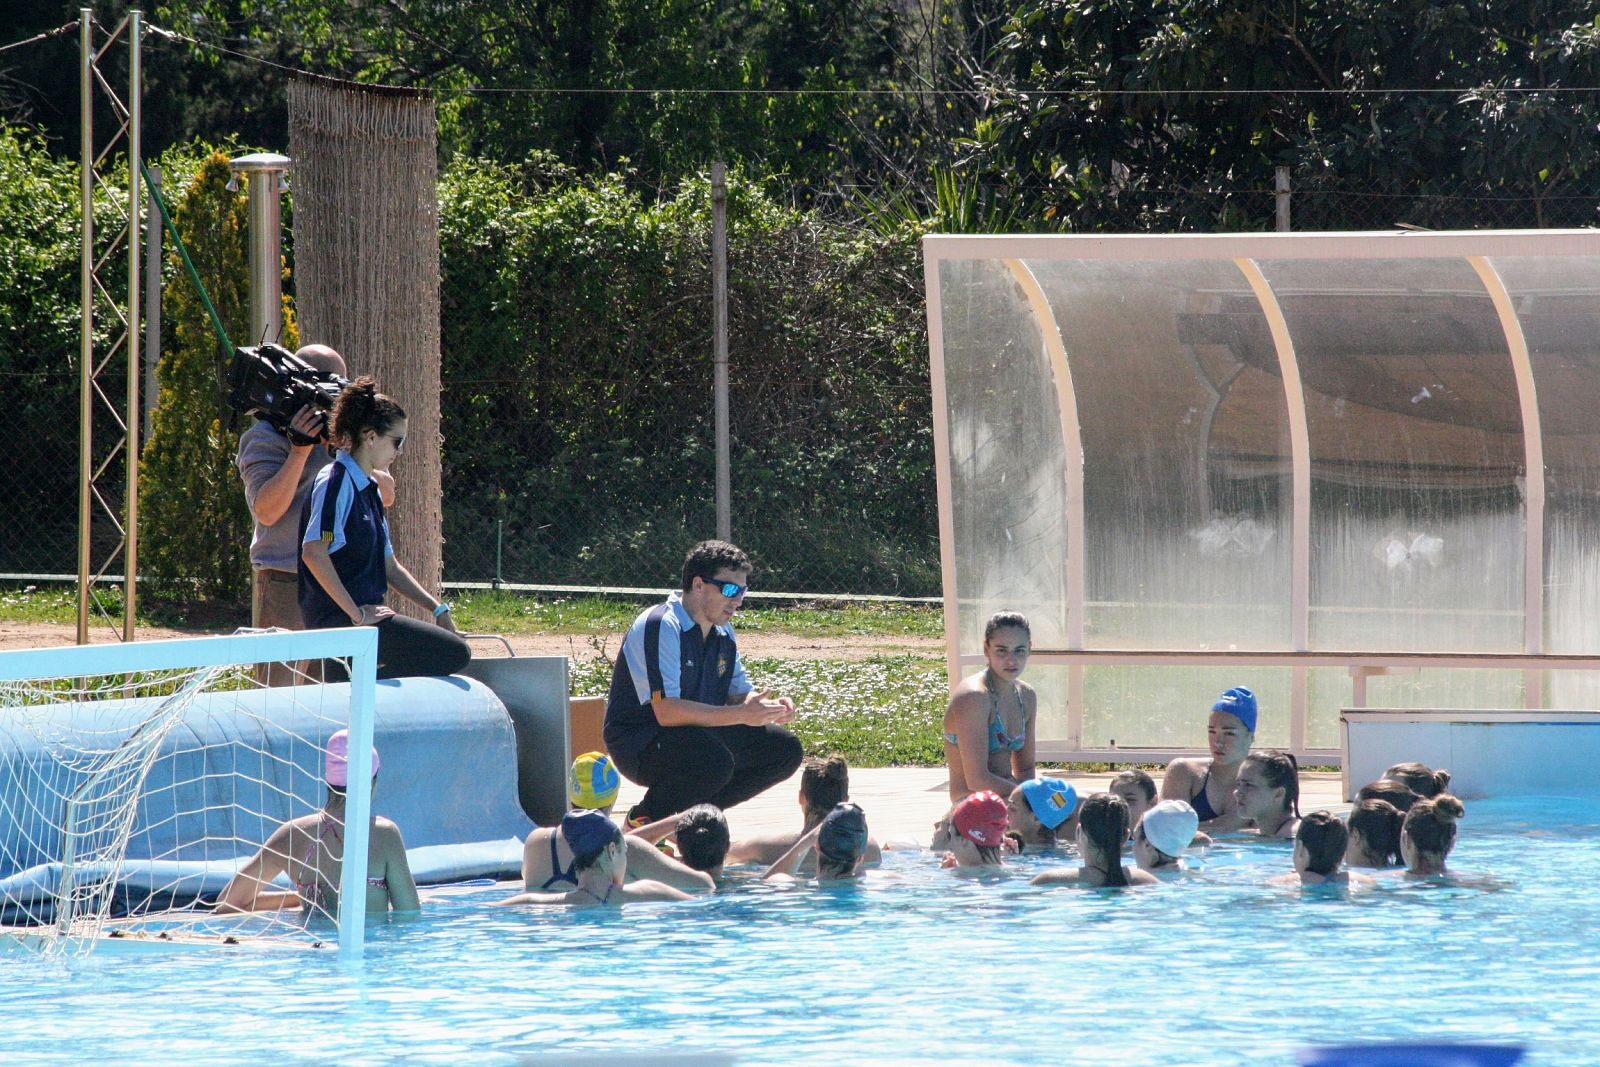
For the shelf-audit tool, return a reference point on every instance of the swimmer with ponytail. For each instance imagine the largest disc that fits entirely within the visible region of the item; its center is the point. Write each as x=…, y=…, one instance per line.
x=1428, y=834
x=1319, y=846
x=1102, y=830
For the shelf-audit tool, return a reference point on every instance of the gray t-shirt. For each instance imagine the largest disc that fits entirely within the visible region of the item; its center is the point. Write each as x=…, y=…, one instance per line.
x=262, y=453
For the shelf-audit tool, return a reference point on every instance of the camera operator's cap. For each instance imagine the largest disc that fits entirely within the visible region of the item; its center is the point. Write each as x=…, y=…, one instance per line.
x=593, y=782
x=1052, y=800
x=1241, y=704
x=336, y=762
x=981, y=819
x=1170, y=826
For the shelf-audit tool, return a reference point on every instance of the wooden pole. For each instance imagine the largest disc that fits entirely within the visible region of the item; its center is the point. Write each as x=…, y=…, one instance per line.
x=719, y=315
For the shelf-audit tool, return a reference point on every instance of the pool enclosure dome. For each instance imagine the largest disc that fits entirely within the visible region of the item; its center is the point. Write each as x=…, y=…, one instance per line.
x=1343, y=469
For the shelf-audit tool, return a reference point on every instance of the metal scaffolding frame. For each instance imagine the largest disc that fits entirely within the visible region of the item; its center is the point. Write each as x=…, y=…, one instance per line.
x=97, y=293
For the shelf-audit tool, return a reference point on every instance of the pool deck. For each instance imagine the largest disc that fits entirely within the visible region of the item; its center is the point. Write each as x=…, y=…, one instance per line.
x=902, y=802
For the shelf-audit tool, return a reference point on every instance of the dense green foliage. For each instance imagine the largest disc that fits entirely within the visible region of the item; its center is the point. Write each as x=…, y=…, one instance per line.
x=575, y=240
x=576, y=318
x=196, y=527
x=38, y=347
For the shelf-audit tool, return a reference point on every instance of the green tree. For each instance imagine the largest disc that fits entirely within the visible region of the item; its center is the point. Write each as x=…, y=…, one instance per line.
x=194, y=523
x=1143, y=116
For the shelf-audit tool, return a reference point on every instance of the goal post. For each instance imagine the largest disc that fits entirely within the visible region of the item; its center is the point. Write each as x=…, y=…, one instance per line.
x=136, y=779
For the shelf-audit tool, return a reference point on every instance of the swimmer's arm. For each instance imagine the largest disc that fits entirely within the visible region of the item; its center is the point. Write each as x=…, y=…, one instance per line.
x=789, y=862
x=1057, y=876
x=767, y=849
x=248, y=890
x=647, y=890
x=1179, y=781
x=532, y=898
x=1140, y=876
x=654, y=832
x=396, y=869
x=646, y=863
x=968, y=719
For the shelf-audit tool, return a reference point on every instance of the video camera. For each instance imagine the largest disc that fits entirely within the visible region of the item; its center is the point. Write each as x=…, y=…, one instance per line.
x=273, y=383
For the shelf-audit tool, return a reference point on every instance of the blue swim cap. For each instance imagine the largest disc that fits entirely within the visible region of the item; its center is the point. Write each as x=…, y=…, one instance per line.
x=843, y=836
x=1053, y=801
x=1241, y=704
x=588, y=832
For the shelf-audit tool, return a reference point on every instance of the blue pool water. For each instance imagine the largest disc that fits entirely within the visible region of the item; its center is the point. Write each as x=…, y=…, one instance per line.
x=914, y=964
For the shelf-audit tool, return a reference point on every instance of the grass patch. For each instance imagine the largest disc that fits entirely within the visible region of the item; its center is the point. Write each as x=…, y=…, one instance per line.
x=498, y=611
x=880, y=712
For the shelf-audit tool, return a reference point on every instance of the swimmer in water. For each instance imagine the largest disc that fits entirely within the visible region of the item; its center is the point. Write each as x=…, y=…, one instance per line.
x=600, y=864
x=310, y=850
x=1040, y=811
x=1267, y=793
x=974, y=833
x=1420, y=779
x=840, y=844
x=1428, y=834
x=1319, y=846
x=701, y=835
x=1163, y=834
x=824, y=784
x=1102, y=830
x=592, y=785
x=1374, y=828
x=1207, y=784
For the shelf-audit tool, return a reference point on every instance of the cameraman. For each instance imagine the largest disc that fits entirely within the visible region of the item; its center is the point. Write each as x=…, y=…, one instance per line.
x=278, y=470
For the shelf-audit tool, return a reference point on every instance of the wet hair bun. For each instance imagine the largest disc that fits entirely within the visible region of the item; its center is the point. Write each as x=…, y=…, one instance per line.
x=1448, y=808
x=1441, y=780
x=836, y=768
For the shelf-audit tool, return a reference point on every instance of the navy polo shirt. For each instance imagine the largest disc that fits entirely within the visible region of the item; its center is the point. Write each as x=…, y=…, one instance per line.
x=345, y=513
x=663, y=654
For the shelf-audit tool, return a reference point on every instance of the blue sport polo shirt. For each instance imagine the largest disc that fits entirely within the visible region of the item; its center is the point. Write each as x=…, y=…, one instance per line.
x=345, y=513
x=663, y=654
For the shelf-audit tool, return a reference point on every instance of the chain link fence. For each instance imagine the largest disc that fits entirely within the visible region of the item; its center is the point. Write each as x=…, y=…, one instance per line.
x=578, y=376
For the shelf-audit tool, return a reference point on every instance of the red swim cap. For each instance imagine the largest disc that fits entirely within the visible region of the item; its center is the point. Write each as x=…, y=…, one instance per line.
x=981, y=819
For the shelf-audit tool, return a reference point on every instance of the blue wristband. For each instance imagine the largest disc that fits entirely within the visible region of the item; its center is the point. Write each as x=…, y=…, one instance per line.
x=441, y=609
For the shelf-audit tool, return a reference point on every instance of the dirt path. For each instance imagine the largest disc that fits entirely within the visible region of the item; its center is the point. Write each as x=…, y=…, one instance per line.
x=15, y=635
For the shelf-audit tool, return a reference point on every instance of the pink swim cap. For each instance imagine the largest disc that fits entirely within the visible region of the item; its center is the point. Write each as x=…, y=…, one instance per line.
x=336, y=767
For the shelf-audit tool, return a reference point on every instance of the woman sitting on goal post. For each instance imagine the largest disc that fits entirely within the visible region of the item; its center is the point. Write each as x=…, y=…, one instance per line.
x=347, y=562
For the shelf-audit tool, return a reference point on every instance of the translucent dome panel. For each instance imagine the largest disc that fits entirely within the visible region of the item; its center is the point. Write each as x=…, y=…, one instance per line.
x=1007, y=460
x=1186, y=455
x=1416, y=463
x=1557, y=302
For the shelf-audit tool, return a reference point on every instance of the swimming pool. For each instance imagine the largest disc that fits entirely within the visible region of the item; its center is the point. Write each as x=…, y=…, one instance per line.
x=914, y=964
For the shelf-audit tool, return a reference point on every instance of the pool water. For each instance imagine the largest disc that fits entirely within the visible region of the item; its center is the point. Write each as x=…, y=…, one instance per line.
x=912, y=964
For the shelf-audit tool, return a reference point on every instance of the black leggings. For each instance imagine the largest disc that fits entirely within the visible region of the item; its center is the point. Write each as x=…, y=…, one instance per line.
x=725, y=765
x=409, y=648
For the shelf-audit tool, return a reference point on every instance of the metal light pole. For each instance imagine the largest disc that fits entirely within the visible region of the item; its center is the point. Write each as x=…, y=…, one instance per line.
x=264, y=174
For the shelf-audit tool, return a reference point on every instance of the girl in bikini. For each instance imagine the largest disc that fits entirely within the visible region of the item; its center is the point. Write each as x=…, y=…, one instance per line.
x=1207, y=784
x=989, y=724
x=310, y=850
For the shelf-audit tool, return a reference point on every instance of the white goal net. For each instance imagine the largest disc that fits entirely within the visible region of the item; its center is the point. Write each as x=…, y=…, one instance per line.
x=137, y=779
